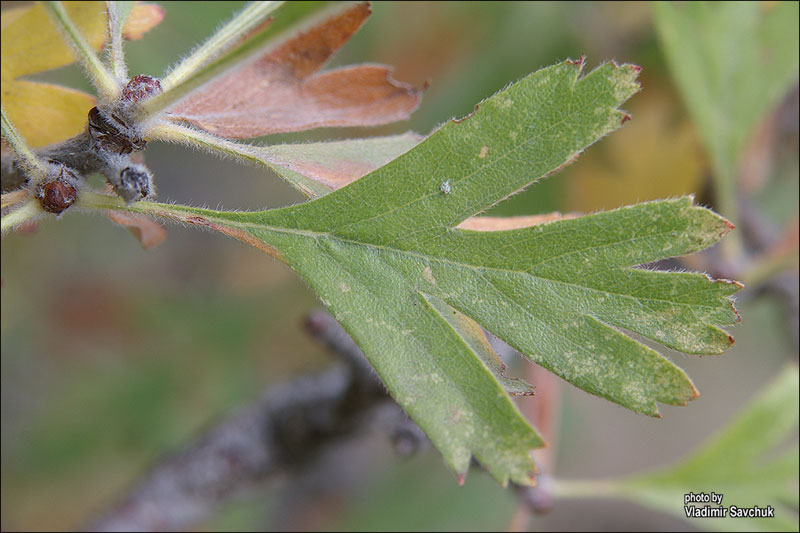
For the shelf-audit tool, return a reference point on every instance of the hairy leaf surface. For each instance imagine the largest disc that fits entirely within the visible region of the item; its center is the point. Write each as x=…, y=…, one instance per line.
x=385, y=255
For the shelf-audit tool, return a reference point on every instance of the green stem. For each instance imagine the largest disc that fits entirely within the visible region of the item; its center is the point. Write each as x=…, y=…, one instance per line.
x=30, y=163
x=103, y=80
x=725, y=189
x=600, y=488
x=25, y=213
x=176, y=83
x=169, y=132
x=765, y=268
x=116, y=56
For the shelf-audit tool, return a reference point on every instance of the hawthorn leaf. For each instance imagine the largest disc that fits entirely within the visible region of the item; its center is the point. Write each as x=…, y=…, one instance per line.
x=46, y=113
x=746, y=463
x=385, y=256
x=281, y=91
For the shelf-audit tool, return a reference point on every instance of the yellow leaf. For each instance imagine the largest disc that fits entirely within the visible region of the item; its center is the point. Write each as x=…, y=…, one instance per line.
x=31, y=43
x=45, y=113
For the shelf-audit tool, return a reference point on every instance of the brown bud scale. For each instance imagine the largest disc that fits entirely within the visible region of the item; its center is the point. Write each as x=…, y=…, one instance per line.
x=140, y=87
x=56, y=195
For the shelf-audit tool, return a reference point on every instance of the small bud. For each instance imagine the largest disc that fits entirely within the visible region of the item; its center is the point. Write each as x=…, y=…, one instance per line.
x=135, y=183
x=141, y=87
x=111, y=133
x=56, y=195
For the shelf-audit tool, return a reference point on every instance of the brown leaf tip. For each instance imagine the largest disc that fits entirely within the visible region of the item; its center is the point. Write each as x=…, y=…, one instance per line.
x=579, y=63
x=461, y=478
x=735, y=311
x=462, y=119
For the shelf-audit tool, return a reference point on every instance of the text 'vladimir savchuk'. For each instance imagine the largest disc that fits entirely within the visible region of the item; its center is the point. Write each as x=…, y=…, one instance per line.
x=716, y=510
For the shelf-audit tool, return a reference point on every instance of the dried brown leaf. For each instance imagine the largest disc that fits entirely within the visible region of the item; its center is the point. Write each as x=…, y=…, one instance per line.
x=506, y=223
x=280, y=91
x=142, y=19
x=147, y=231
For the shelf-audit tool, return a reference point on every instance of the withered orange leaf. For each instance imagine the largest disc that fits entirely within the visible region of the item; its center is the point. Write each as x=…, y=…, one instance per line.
x=507, y=223
x=281, y=91
x=147, y=231
x=142, y=18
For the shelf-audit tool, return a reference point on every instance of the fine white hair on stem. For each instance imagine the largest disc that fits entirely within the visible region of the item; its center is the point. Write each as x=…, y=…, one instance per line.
x=117, y=13
x=220, y=42
x=103, y=80
x=201, y=140
x=27, y=212
x=31, y=164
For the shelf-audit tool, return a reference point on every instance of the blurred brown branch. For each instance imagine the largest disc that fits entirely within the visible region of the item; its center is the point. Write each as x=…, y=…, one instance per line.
x=290, y=426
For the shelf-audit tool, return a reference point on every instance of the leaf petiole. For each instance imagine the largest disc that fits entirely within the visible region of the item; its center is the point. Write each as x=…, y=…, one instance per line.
x=31, y=164
x=117, y=13
x=25, y=213
x=197, y=139
x=103, y=80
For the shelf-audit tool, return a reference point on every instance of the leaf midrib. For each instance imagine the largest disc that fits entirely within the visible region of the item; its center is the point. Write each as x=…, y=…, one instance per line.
x=248, y=226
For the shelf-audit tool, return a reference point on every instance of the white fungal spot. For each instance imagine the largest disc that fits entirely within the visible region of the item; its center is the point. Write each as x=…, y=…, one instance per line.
x=445, y=187
x=484, y=152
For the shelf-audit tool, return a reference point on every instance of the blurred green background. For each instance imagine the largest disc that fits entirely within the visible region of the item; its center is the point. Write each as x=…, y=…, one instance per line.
x=113, y=356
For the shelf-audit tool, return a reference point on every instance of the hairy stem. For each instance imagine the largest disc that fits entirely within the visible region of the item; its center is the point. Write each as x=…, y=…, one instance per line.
x=27, y=212
x=117, y=13
x=27, y=159
x=103, y=80
x=169, y=132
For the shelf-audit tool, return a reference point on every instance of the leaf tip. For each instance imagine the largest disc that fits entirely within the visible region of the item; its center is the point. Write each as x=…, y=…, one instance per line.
x=461, y=477
x=579, y=62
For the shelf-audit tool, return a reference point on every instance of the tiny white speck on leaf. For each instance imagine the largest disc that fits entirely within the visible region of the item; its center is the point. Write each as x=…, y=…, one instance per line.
x=445, y=187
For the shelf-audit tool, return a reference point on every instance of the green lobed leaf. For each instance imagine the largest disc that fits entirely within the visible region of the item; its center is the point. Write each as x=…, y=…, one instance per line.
x=732, y=62
x=384, y=256
x=745, y=463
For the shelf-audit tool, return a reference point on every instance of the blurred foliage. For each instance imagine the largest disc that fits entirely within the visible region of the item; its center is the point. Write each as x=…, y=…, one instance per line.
x=733, y=62
x=753, y=461
x=112, y=357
